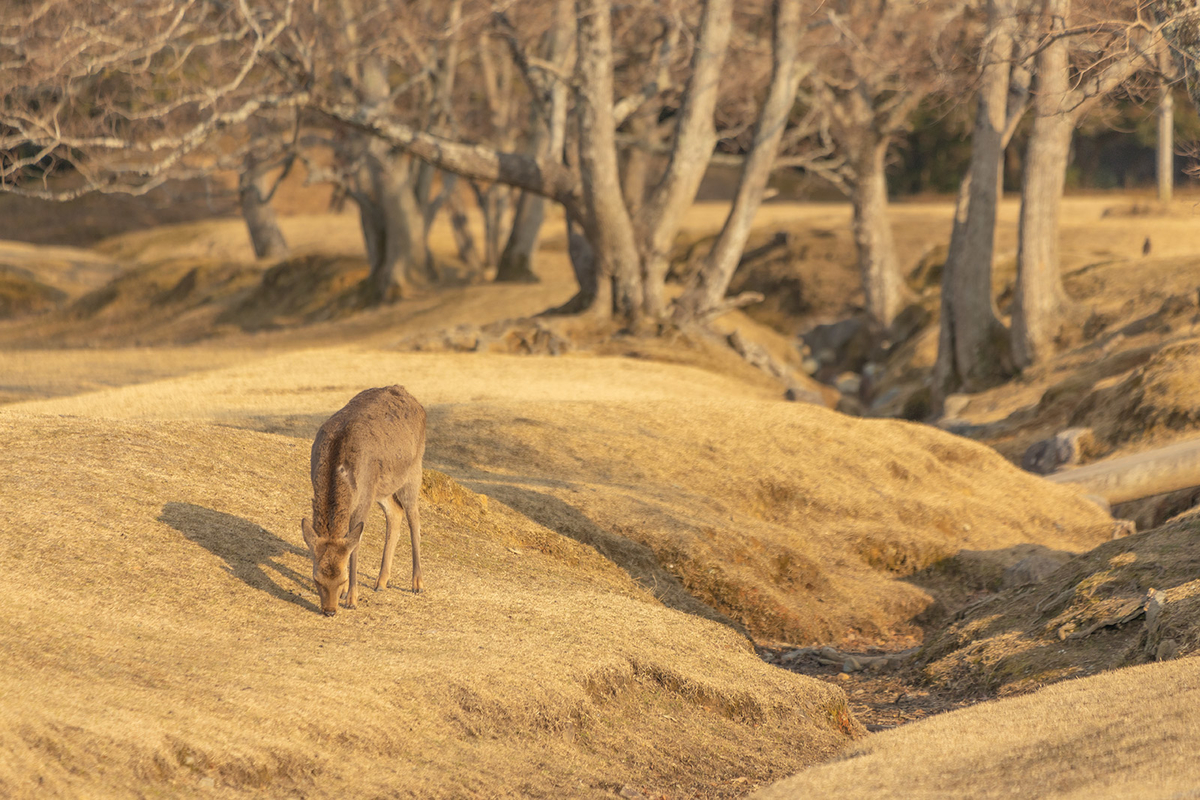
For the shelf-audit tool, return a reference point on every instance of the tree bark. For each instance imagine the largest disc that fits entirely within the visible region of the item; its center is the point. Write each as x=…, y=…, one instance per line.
x=254, y=189
x=884, y=290
x=636, y=171
x=1039, y=297
x=972, y=346
x=475, y=162
x=1166, y=143
x=607, y=225
x=695, y=138
x=517, y=260
x=464, y=242
x=393, y=226
x=706, y=292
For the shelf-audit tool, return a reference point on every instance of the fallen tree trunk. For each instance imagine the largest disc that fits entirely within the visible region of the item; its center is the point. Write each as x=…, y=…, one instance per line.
x=1119, y=480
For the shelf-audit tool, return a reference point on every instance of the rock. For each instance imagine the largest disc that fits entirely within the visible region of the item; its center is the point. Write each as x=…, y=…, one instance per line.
x=850, y=406
x=1029, y=570
x=1064, y=449
x=829, y=652
x=851, y=664
x=794, y=655
x=1167, y=649
x=1154, y=606
x=955, y=404
x=848, y=383
x=798, y=394
x=844, y=345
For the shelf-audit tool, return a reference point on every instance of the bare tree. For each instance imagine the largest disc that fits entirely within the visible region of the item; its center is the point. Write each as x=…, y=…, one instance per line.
x=549, y=92
x=630, y=257
x=393, y=191
x=1062, y=95
x=1179, y=21
x=879, y=62
x=384, y=83
x=121, y=98
x=1074, y=63
x=705, y=295
x=255, y=187
x=973, y=347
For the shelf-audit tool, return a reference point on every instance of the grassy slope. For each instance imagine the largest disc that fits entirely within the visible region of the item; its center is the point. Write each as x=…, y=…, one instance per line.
x=165, y=639
x=85, y=734
x=801, y=524
x=1128, y=733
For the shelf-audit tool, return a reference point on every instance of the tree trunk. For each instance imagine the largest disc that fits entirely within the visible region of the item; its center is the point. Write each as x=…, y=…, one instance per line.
x=972, y=347
x=393, y=226
x=885, y=294
x=516, y=262
x=636, y=171
x=706, y=292
x=608, y=228
x=1166, y=143
x=695, y=138
x=254, y=189
x=460, y=227
x=1039, y=297
x=493, y=203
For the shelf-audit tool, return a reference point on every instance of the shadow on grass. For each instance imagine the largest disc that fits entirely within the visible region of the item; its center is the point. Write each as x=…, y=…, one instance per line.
x=247, y=549
x=638, y=560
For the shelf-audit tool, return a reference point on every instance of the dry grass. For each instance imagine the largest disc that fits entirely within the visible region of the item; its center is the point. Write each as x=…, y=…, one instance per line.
x=1069, y=625
x=549, y=657
x=1127, y=733
x=166, y=639
x=699, y=485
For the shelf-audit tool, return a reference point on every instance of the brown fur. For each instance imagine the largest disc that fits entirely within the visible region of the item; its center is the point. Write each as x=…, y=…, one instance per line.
x=369, y=452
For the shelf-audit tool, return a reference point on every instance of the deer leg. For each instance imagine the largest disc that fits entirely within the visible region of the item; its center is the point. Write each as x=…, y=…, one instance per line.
x=391, y=513
x=408, y=497
x=352, y=587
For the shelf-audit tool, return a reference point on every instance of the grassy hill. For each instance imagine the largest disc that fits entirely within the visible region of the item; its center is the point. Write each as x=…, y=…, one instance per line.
x=609, y=535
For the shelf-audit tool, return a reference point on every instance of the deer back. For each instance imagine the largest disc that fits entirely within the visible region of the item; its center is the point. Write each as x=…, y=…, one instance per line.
x=367, y=450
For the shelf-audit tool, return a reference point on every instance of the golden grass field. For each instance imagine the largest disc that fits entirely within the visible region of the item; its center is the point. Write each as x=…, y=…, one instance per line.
x=607, y=538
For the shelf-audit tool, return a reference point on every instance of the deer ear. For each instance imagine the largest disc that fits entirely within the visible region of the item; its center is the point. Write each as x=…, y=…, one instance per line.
x=310, y=536
x=355, y=536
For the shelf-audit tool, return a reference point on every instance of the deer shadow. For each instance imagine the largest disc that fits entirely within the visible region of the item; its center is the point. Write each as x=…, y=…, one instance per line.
x=247, y=549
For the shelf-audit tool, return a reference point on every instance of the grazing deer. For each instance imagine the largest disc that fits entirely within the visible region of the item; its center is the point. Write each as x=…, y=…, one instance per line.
x=369, y=452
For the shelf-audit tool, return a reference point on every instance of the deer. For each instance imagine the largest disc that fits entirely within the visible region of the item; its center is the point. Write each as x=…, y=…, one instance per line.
x=368, y=452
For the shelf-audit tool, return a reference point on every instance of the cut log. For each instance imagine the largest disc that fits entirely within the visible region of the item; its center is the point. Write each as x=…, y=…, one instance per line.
x=1118, y=480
